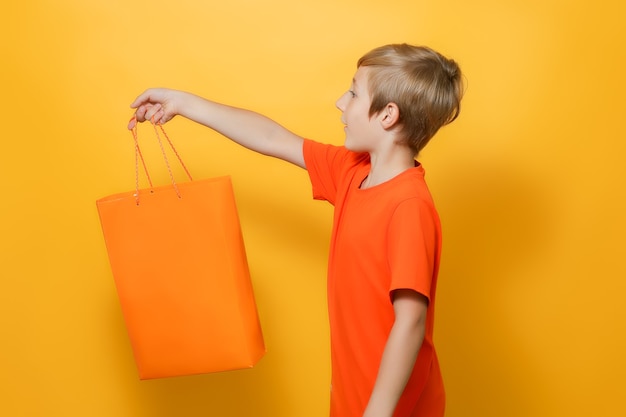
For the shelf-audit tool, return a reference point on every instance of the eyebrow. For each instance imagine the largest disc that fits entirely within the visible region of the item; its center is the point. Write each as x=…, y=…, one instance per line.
x=354, y=84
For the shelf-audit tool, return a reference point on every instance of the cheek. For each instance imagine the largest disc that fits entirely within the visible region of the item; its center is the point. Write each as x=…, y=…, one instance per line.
x=354, y=112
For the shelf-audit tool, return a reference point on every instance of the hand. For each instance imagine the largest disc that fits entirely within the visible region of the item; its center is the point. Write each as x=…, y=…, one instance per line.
x=158, y=105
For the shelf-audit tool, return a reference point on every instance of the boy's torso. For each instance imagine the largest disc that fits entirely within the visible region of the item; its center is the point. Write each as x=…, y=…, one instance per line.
x=359, y=282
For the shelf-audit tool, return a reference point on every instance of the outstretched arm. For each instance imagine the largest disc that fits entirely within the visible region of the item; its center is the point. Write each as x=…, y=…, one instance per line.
x=403, y=345
x=249, y=129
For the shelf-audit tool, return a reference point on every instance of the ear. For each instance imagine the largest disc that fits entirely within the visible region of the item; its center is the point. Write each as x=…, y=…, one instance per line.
x=390, y=116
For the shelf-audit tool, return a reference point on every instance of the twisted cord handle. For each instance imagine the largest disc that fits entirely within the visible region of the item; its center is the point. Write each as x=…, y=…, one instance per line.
x=139, y=156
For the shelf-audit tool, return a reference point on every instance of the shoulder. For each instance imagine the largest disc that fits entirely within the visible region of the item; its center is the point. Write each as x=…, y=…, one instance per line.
x=410, y=185
x=316, y=152
x=408, y=198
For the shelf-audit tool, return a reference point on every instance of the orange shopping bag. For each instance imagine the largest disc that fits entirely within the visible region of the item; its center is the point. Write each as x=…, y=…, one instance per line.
x=178, y=260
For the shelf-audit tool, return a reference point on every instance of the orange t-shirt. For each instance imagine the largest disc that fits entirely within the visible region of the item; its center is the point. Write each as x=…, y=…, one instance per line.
x=384, y=238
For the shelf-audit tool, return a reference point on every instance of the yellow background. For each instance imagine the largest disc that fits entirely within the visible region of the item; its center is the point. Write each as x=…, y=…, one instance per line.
x=529, y=182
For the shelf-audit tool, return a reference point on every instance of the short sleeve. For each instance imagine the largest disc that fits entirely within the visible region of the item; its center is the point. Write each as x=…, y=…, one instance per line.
x=324, y=163
x=413, y=244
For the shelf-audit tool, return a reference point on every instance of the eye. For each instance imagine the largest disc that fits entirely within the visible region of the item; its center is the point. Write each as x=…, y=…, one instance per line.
x=352, y=93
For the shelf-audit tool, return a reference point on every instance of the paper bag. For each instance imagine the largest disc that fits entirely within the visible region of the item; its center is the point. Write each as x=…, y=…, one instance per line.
x=178, y=260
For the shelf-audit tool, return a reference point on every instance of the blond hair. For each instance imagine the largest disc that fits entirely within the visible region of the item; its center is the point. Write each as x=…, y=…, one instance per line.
x=426, y=86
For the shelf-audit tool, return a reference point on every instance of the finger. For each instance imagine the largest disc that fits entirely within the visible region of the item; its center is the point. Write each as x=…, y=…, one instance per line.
x=138, y=101
x=151, y=111
x=158, y=117
x=151, y=95
x=132, y=123
x=141, y=99
x=140, y=113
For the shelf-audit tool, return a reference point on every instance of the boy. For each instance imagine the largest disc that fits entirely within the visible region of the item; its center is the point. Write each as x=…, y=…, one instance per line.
x=386, y=237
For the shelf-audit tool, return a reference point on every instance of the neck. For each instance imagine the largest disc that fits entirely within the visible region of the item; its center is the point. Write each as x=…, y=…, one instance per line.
x=386, y=166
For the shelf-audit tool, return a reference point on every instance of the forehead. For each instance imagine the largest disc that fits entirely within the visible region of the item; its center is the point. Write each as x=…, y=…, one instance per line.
x=360, y=78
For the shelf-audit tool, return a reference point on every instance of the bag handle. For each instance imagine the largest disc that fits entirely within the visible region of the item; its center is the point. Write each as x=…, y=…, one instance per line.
x=139, y=155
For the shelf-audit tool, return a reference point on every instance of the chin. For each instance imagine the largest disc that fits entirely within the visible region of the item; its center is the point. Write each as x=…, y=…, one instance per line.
x=352, y=147
x=349, y=145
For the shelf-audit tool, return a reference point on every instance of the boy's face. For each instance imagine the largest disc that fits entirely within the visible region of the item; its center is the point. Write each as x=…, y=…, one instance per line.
x=361, y=130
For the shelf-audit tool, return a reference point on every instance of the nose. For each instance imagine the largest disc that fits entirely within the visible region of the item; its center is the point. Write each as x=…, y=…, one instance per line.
x=341, y=101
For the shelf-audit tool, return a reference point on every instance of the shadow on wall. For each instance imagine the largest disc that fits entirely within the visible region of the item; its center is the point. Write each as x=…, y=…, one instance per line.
x=498, y=221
